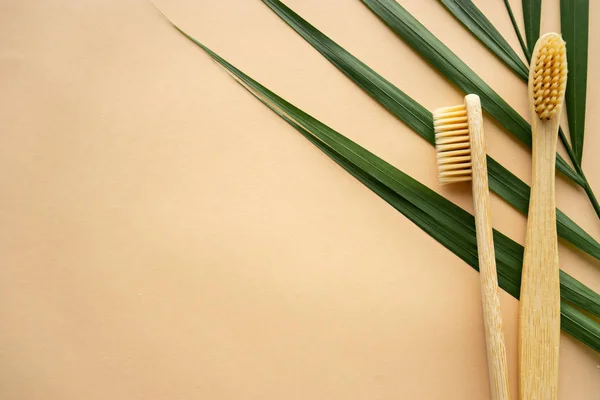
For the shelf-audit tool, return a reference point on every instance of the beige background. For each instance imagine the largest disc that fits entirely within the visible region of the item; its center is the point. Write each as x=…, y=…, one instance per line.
x=164, y=236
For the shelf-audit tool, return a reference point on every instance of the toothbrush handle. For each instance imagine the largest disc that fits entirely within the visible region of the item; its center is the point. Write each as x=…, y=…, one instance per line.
x=492, y=317
x=539, y=319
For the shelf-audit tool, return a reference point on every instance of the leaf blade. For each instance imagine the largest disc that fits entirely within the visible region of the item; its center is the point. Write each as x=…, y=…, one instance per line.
x=532, y=13
x=574, y=18
x=481, y=27
x=579, y=325
x=517, y=31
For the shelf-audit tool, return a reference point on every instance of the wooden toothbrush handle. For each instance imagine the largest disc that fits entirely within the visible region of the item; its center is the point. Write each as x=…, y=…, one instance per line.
x=539, y=331
x=492, y=317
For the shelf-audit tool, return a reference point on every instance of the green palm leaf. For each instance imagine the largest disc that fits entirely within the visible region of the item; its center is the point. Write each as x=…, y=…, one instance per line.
x=481, y=27
x=455, y=70
x=574, y=21
x=470, y=16
x=577, y=34
x=418, y=118
x=532, y=13
x=444, y=221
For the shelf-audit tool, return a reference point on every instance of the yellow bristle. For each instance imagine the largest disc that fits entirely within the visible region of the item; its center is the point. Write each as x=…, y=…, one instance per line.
x=452, y=144
x=549, y=77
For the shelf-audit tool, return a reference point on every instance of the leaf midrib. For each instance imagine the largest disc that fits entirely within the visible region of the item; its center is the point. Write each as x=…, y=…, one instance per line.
x=575, y=77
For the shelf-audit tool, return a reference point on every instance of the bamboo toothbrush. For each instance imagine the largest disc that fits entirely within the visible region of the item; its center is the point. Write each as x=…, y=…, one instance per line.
x=539, y=331
x=461, y=157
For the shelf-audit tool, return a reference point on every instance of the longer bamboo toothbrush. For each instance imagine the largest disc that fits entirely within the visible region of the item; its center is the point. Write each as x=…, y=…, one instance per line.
x=461, y=157
x=539, y=332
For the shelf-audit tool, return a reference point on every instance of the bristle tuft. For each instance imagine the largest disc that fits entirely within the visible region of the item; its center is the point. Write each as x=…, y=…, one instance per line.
x=452, y=144
x=549, y=77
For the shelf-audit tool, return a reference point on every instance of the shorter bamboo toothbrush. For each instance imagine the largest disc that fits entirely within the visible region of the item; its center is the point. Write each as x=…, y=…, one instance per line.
x=539, y=320
x=461, y=157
